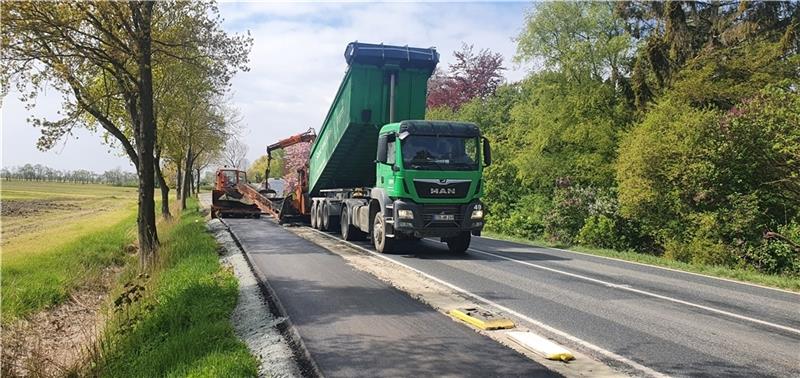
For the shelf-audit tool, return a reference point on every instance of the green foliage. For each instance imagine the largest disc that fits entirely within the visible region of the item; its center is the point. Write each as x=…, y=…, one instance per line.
x=182, y=325
x=663, y=169
x=598, y=231
x=567, y=131
x=670, y=129
x=777, y=256
x=40, y=280
x=255, y=173
x=582, y=39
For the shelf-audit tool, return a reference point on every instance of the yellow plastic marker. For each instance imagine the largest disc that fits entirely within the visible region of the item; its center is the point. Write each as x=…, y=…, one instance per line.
x=482, y=319
x=540, y=345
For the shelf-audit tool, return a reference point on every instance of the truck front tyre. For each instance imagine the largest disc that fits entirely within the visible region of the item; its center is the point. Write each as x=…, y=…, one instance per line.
x=459, y=243
x=383, y=243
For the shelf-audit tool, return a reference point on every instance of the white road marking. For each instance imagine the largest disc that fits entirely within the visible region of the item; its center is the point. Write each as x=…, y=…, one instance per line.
x=649, y=265
x=606, y=353
x=642, y=292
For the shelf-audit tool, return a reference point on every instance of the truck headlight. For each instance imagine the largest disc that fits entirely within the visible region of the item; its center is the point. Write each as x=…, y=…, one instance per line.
x=477, y=214
x=405, y=214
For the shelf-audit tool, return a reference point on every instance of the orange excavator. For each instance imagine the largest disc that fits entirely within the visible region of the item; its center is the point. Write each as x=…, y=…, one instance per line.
x=233, y=195
x=227, y=198
x=296, y=202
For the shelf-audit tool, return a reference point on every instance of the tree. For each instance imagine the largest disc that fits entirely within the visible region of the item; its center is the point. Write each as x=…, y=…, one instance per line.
x=724, y=46
x=256, y=170
x=234, y=153
x=473, y=75
x=583, y=40
x=100, y=55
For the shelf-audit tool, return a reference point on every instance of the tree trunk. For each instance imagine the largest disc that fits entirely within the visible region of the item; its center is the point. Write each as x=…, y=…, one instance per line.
x=178, y=179
x=162, y=183
x=145, y=138
x=187, y=177
x=197, y=179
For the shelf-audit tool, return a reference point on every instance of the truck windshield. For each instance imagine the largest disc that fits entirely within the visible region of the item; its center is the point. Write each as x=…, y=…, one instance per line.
x=440, y=153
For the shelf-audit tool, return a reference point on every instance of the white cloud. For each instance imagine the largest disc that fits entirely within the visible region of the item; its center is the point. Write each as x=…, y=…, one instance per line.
x=297, y=60
x=296, y=65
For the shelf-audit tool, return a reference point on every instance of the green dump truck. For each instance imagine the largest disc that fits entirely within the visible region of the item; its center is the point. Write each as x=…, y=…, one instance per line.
x=378, y=169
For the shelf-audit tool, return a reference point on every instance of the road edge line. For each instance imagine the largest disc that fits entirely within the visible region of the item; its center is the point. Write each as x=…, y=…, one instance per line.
x=731, y=280
x=645, y=293
x=604, y=352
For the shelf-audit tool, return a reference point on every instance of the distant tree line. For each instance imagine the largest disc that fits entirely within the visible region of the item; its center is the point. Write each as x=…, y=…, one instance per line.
x=670, y=128
x=39, y=172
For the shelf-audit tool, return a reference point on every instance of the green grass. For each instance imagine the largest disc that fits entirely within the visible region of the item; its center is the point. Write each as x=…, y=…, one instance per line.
x=15, y=189
x=744, y=275
x=56, y=214
x=181, y=326
x=34, y=281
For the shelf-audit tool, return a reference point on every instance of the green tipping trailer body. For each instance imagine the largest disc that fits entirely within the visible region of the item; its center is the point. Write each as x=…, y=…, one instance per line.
x=378, y=169
x=343, y=154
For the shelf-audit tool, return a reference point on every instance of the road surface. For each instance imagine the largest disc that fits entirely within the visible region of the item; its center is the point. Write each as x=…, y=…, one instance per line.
x=353, y=324
x=667, y=322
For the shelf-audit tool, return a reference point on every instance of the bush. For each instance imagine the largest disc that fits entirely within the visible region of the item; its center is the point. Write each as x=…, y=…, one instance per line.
x=599, y=231
x=568, y=214
x=776, y=256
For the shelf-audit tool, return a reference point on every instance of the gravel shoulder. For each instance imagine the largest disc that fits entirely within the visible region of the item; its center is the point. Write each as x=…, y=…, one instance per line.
x=252, y=319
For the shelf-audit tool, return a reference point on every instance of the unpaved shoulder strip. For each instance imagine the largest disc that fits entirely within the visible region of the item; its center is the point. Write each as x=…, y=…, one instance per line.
x=252, y=319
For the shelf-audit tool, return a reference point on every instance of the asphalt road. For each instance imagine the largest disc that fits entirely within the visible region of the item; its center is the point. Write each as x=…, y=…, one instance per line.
x=674, y=323
x=352, y=324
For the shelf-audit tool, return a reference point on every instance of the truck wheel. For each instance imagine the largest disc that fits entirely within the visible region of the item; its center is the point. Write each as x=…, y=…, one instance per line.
x=349, y=231
x=383, y=243
x=459, y=243
x=324, y=222
x=314, y=214
x=322, y=213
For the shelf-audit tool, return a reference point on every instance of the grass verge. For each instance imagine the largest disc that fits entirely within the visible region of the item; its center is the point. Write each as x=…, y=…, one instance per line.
x=744, y=275
x=34, y=281
x=176, y=322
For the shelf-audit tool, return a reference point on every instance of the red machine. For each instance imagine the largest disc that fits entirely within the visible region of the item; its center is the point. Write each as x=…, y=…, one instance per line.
x=227, y=198
x=233, y=195
x=296, y=202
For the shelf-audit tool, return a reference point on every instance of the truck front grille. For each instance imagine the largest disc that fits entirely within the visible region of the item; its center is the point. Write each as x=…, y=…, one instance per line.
x=436, y=189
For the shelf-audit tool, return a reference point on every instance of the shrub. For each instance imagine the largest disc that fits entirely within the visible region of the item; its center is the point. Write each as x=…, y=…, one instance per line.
x=776, y=256
x=570, y=209
x=599, y=231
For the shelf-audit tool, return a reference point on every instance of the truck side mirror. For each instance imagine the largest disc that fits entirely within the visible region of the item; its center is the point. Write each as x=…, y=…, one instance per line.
x=382, y=150
x=487, y=153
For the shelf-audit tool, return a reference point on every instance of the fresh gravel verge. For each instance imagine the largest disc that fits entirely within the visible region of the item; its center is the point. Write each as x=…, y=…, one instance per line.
x=252, y=319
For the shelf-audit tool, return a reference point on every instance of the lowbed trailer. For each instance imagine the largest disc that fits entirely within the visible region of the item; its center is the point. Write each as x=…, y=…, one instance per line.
x=369, y=174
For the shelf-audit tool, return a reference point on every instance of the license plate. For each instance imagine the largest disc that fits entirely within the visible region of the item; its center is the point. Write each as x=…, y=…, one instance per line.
x=444, y=217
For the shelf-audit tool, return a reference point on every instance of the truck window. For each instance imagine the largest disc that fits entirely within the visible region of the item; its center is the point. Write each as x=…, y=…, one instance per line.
x=426, y=152
x=390, y=152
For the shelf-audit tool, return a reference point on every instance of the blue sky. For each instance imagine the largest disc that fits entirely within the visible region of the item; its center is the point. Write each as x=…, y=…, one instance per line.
x=296, y=66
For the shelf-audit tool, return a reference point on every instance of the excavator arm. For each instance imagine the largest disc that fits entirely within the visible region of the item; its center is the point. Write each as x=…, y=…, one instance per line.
x=307, y=136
